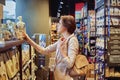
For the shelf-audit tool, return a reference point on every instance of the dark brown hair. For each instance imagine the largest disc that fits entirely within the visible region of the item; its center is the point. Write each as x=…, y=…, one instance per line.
x=68, y=21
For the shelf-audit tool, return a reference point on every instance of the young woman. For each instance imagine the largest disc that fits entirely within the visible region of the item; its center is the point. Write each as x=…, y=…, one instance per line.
x=66, y=48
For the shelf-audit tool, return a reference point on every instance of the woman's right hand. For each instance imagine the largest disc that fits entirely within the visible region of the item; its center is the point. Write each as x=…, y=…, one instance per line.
x=26, y=37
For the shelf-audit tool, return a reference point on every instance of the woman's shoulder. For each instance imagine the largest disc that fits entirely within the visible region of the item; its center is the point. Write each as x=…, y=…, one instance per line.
x=73, y=39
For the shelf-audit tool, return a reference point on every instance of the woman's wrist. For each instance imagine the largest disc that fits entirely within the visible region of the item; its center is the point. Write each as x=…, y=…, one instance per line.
x=28, y=40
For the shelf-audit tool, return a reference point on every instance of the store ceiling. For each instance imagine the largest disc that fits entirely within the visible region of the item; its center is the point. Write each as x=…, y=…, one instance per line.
x=68, y=7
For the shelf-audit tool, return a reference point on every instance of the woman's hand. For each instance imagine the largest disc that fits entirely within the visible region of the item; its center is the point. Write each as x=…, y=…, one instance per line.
x=26, y=37
x=63, y=47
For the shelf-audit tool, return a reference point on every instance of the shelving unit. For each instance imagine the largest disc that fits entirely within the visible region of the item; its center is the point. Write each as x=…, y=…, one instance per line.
x=82, y=31
x=107, y=28
x=54, y=36
x=92, y=36
x=16, y=46
x=100, y=39
x=85, y=36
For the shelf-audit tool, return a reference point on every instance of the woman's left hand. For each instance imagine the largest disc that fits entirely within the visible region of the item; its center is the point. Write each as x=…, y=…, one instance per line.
x=63, y=47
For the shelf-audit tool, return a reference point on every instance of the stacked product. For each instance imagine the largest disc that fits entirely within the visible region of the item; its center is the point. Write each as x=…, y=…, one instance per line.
x=92, y=37
x=15, y=57
x=9, y=65
x=100, y=39
x=107, y=42
x=113, y=50
x=53, y=32
x=92, y=41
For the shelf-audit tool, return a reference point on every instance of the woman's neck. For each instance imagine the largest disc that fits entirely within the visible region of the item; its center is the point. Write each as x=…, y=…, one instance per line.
x=66, y=34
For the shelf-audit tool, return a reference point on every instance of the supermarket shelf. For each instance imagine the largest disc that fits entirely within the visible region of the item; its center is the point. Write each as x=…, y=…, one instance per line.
x=117, y=26
x=27, y=63
x=92, y=31
x=113, y=64
x=117, y=16
x=102, y=17
x=114, y=6
x=90, y=79
x=112, y=78
x=10, y=44
x=101, y=35
x=92, y=36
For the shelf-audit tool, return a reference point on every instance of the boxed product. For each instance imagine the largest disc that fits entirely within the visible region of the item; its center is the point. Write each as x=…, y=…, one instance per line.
x=116, y=11
x=9, y=65
x=13, y=58
x=7, y=35
x=21, y=27
x=114, y=36
x=118, y=2
x=117, y=74
x=112, y=72
x=114, y=51
x=107, y=72
x=3, y=72
x=113, y=2
x=111, y=11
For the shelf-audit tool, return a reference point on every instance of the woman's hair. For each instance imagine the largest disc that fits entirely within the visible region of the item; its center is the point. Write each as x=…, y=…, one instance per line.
x=68, y=21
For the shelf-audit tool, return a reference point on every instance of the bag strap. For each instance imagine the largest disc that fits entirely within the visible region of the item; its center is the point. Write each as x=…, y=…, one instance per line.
x=78, y=45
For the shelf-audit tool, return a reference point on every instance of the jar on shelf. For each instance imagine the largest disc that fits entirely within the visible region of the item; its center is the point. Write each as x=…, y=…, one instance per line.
x=7, y=35
x=20, y=27
x=2, y=43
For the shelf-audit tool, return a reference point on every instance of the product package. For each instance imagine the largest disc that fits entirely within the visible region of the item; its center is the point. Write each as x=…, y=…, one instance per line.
x=14, y=61
x=113, y=2
x=9, y=65
x=118, y=2
x=3, y=72
x=20, y=27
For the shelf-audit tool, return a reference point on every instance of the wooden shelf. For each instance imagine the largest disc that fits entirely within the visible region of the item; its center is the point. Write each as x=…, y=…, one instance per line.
x=117, y=16
x=115, y=6
x=116, y=26
x=10, y=44
x=113, y=78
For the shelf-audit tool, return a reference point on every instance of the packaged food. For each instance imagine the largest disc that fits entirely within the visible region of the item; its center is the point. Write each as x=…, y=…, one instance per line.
x=113, y=2
x=9, y=65
x=3, y=72
x=21, y=27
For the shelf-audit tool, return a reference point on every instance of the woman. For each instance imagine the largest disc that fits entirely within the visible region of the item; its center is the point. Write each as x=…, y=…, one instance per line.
x=66, y=48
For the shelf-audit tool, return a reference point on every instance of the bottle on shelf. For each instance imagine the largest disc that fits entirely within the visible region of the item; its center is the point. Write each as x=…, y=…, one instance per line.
x=21, y=27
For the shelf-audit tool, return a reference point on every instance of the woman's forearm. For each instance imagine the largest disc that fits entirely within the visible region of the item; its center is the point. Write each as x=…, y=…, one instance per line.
x=36, y=46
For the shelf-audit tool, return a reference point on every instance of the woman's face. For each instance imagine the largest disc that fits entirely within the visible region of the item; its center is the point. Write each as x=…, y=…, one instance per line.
x=60, y=27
